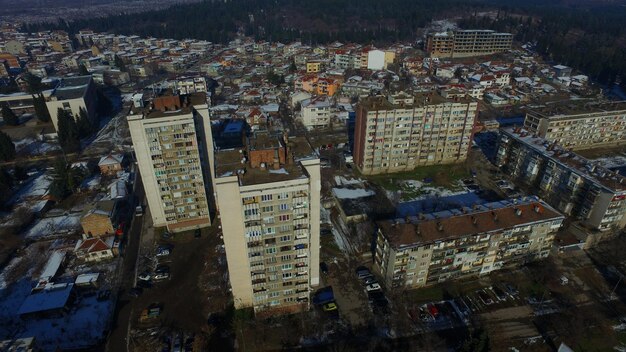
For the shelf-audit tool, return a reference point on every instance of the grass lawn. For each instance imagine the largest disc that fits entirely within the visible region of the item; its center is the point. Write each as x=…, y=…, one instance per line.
x=441, y=175
x=426, y=294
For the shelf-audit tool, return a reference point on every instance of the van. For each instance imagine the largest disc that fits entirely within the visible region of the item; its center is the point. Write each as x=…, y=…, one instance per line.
x=139, y=210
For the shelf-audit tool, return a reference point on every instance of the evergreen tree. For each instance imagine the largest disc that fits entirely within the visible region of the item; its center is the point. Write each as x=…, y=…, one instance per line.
x=65, y=179
x=85, y=127
x=120, y=63
x=33, y=83
x=9, y=116
x=6, y=182
x=7, y=148
x=82, y=70
x=67, y=130
x=41, y=110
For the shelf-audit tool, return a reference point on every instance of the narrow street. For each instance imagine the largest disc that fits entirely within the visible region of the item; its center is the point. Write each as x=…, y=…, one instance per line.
x=119, y=331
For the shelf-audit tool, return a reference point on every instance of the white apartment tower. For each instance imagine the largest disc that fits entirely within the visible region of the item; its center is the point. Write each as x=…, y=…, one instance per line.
x=268, y=196
x=173, y=146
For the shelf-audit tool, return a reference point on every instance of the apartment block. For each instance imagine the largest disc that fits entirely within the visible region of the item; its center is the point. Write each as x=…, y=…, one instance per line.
x=467, y=43
x=577, y=187
x=402, y=131
x=173, y=145
x=268, y=195
x=433, y=248
x=73, y=94
x=316, y=112
x=580, y=126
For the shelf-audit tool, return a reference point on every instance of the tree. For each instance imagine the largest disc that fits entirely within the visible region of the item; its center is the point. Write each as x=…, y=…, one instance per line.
x=33, y=83
x=7, y=148
x=82, y=70
x=85, y=127
x=6, y=182
x=65, y=179
x=120, y=63
x=41, y=110
x=67, y=130
x=9, y=116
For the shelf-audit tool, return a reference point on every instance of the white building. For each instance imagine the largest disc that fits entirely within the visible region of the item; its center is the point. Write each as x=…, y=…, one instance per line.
x=316, y=112
x=73, y=94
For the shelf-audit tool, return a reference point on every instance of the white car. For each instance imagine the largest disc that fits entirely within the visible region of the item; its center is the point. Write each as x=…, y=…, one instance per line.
x=372, y=287
x=163, y=252
x=145, y=276
x=161, y=276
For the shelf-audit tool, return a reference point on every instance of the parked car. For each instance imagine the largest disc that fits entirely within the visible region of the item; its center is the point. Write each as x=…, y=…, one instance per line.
x=432, y=310
x=161, y=276
x=373, y=287
x=484, y=297
x=197, y=233
x=163, y=251
x=162, y=269
x=144, y=276
x=135, y=292
x=330, y=306
x=139, y=210
x=144, y=283
x=501, y=295
x=370, y=280
x=363, y=273
x=324, y=268
x=511, y=289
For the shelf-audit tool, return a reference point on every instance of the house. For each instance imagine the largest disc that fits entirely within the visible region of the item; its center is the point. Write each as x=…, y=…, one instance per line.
x=53, y=301
x=88, y=281
x=98, y=221
x=256, y=117
x=96, y=249
x=316, y=112
x=24, y=344
x=109, y=165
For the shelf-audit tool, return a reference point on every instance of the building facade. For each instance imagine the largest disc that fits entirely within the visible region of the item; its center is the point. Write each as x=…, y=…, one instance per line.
x=316, y=112
x=402, y=131
x=433, y=248
x=588, y=126
x=570, y=183
x=174, y=150
x=269, y=202
x=73, y=94
x=467, y=43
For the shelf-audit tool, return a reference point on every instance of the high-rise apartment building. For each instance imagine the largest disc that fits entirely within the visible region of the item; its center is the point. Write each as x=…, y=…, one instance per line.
x=467, y=43
x=268, y=196
x=173, y=145
x=572, y=184
x=580, y=126
x=402, y=131
x=436, y=247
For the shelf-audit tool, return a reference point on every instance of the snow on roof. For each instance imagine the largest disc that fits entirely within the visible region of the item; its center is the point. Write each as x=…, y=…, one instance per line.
x=52, y=266
x=111, y=159
x=86, y=278
x=54, y=297
x=117, y=189
x=345, y=193
x=54, y=226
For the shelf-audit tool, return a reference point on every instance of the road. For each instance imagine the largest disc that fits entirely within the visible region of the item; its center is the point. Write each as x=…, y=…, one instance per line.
x=119, y=330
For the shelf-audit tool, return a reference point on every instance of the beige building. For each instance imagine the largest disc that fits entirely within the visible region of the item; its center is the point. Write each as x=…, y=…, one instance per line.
x=402, y=131
x=467, y=43
x=174, y=150
x=268, y=197
x=579, y=126
x=577, y=187
x=72, y=94
x=433, y=248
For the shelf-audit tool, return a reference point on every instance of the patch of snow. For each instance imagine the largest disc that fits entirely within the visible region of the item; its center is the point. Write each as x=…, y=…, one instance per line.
x=346, y=193
x=342, y=181
x=48, y=227
x=279, y=171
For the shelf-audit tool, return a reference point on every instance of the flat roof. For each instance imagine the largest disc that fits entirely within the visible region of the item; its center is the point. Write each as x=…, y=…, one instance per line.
x=54, y=297
x=71, y=87
x=572, y=108
x=593, y=171
x=457, y=223
x=229, y=162
x=380, y=102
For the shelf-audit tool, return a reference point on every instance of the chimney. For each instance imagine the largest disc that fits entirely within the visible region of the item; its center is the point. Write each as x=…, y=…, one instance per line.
x=495, y=216
x=537, y=208
x=439, y=226
x=417, y=229
x=474, y=220
x=518, y=211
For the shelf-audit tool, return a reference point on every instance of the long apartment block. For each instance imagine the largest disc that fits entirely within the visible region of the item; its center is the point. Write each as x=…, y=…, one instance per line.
x=467, y=43
x=431, y=248
x=173, y=145
x=268, y=195
x=580, y=126
x=402, y=131
x=577, y=187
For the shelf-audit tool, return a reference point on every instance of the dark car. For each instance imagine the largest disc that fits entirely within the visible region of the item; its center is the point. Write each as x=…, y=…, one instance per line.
x=324, y=268
x=144, y=283
x=162, y=269
x=197, y=233
x=499, y=293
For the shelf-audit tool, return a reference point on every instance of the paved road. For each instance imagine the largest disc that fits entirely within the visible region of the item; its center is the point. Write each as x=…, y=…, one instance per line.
x=119, y=330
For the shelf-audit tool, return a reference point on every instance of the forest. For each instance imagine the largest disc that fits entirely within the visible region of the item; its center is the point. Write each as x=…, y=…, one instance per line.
x=585, y=34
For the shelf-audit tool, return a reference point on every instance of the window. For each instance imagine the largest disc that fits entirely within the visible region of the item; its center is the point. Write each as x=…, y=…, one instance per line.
x=284, y=207
x=270, y=250
x=285, y=258
x=267, y=209
x=285, y=238
x=266, y=197
x=287, y=275
x=283, y=218
x=286, y=267
x=283, y=195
